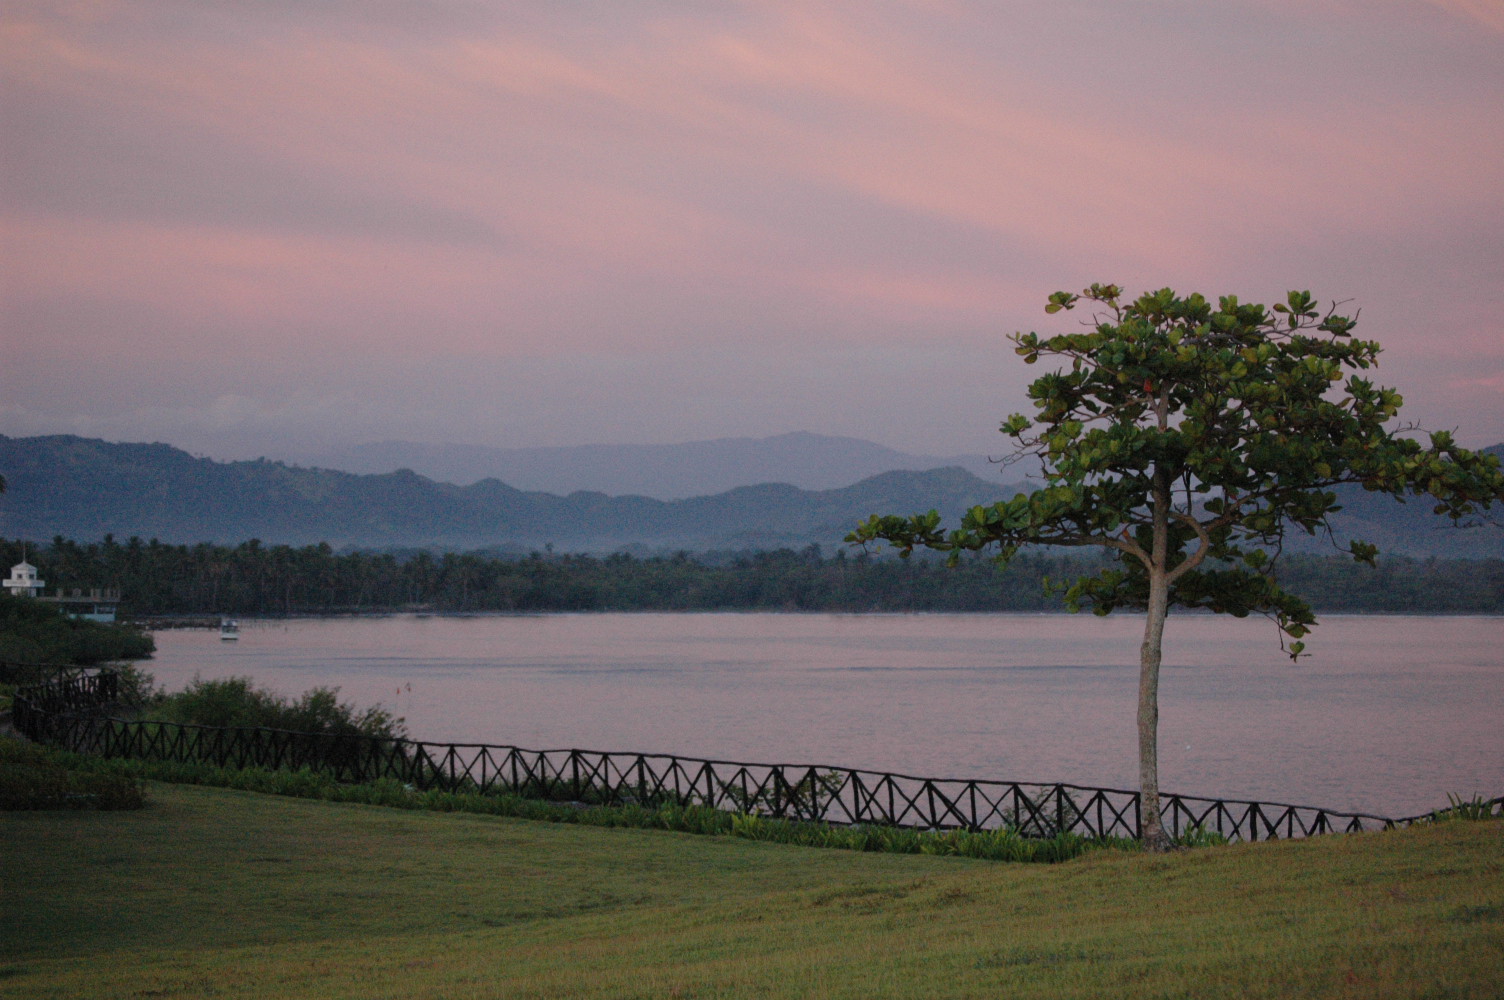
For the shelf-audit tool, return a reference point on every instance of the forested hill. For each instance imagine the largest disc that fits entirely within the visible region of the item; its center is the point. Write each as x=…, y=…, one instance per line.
x=85, y=489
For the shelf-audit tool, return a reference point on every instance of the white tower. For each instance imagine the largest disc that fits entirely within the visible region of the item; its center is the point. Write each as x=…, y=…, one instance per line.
x=23, y=581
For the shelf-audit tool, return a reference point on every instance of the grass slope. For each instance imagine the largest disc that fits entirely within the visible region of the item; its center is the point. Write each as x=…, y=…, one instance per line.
x=210, y=892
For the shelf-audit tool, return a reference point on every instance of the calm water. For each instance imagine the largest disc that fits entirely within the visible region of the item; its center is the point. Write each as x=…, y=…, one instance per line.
x=1387, y=715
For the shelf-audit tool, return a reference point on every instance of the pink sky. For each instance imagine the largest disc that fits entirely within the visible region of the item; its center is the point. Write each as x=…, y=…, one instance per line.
x=273, y=228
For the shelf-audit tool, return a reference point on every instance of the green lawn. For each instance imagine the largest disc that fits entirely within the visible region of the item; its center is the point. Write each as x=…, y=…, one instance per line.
x=219, y=893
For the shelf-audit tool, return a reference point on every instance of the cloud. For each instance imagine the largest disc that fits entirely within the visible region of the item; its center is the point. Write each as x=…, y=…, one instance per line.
x=274, y=194
x=80, y=159
x=1486, y=13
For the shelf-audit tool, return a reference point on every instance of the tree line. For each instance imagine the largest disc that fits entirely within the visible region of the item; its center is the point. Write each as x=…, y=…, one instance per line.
x=157, y=578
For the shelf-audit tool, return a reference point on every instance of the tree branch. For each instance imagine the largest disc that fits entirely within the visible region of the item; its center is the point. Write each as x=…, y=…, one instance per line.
x=1195, y=558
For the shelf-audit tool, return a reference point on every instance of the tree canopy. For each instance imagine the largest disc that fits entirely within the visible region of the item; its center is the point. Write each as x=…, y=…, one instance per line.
x=1188, y=439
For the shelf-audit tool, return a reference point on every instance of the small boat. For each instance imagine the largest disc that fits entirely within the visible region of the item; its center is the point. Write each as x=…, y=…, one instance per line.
x=229, y=629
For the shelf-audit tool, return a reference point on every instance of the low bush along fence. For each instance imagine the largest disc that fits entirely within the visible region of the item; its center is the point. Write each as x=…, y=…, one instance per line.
x=68, y=712
x=31, y=779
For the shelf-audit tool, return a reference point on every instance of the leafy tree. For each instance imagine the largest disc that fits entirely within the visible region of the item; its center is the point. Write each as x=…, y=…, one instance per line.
x=1187, y=439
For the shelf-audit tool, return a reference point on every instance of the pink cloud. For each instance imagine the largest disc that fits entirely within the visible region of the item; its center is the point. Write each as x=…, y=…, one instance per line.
x=789, y=175
x=1487, y=13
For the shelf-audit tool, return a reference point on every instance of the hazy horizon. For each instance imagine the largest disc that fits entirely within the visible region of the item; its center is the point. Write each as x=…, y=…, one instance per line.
x=276, y=229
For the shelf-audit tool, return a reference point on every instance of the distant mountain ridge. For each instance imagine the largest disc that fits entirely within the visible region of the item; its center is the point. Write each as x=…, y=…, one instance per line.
x=665, y=471
x=83, y=489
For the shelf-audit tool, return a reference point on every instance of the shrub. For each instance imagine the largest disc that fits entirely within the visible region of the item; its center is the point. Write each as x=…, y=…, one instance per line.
x=33, y=631
x=1197, y=835
x=991, y=845
x=1475, y=808
x=236, y=701
x=136, y=687
x=31, y=778
x=14, y=751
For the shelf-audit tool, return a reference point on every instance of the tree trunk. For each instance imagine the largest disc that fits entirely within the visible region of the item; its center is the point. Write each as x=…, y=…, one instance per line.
x=1155, y=837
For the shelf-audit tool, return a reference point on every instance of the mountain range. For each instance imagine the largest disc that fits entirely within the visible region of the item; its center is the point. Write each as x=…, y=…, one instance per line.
x=82, y=488
x=665, y=471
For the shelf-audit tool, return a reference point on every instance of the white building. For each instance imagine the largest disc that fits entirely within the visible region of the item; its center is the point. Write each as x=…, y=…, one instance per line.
x=23, y=581
x=97, y=605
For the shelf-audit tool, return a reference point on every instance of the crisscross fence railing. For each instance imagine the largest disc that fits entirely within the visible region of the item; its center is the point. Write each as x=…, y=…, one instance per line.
x=67, y=712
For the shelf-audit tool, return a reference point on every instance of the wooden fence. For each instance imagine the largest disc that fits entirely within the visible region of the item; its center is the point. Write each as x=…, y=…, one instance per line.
x=67, y=712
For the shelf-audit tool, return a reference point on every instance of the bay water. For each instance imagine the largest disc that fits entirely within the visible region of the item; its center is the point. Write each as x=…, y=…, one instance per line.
x=1386, y=714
